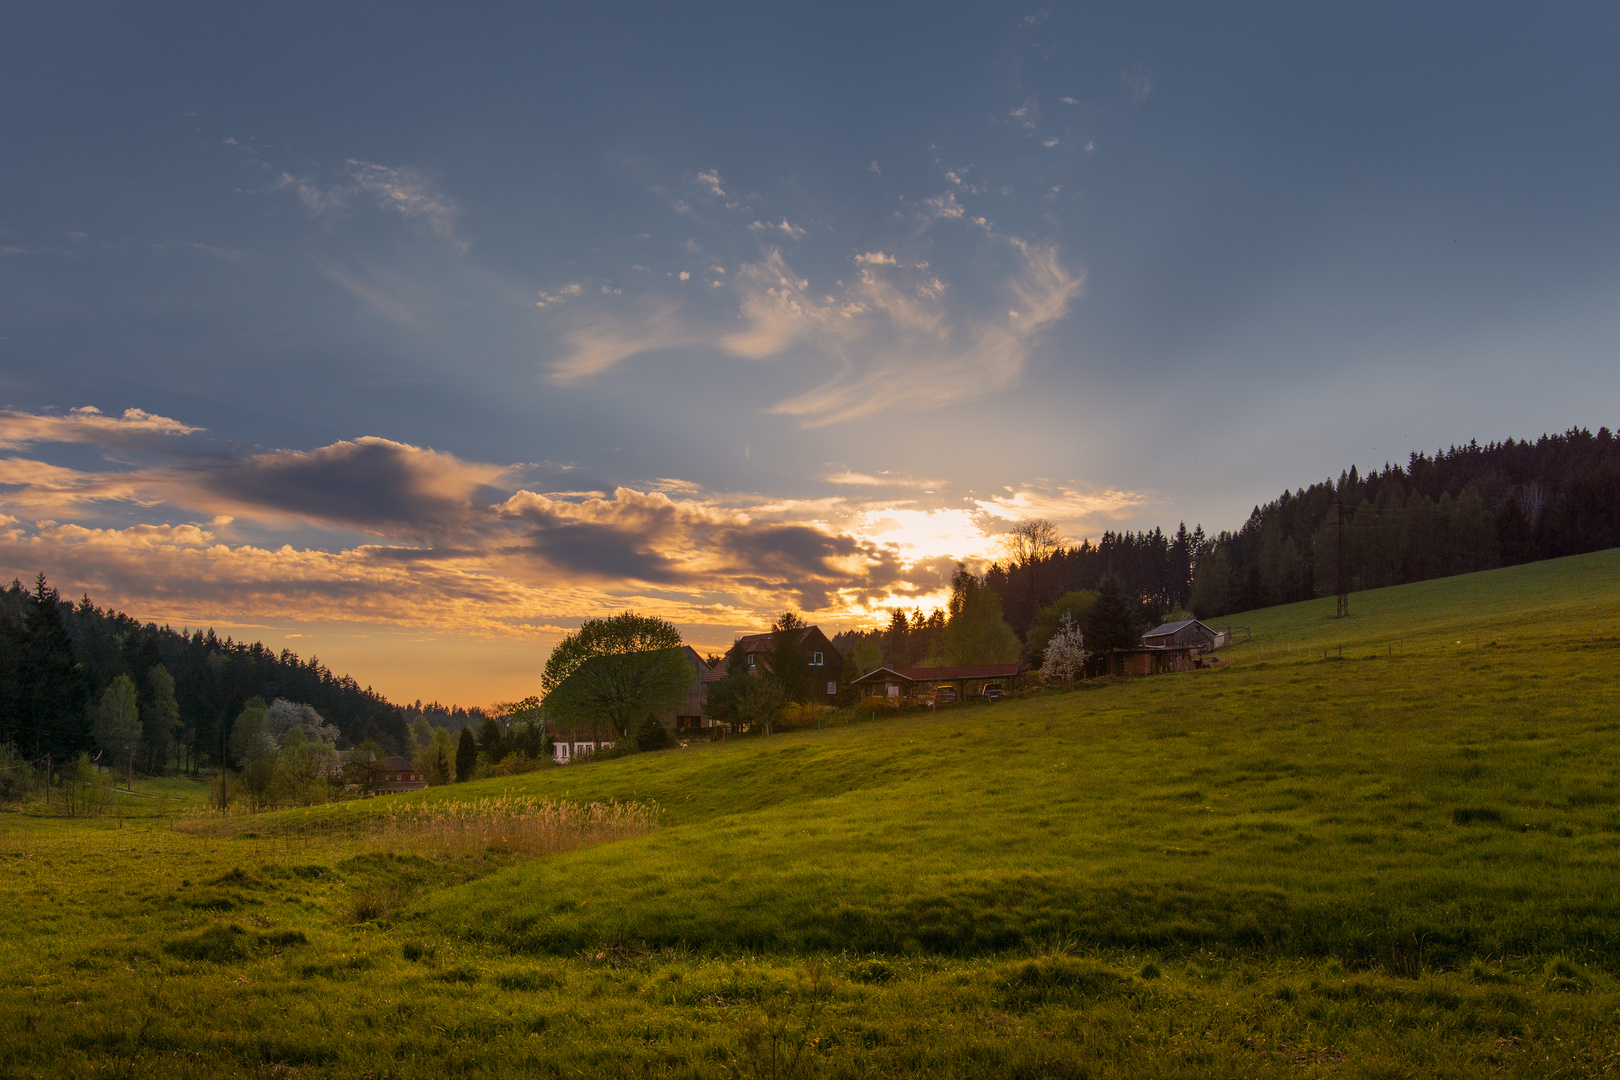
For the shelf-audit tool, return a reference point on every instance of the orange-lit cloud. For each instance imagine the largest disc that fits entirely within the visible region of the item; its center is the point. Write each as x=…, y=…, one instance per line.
x=417, y=544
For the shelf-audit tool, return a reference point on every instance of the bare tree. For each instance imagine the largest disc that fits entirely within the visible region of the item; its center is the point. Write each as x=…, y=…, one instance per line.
x=1028, y=544
x=1031, y=541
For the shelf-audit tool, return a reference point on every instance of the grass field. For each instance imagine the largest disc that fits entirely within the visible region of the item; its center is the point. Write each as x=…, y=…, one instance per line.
x=1380, y=846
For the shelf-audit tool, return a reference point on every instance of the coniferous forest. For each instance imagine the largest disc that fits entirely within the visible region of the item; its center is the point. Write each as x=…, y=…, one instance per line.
x=57, y=657
x=1467, y=508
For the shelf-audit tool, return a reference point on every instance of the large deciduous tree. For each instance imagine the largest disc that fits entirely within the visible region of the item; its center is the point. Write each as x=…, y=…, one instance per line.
x=619, y=670
x=619, y=634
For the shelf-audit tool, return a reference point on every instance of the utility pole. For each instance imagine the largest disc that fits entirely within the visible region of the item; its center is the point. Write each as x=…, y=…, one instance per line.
x=1342, y=586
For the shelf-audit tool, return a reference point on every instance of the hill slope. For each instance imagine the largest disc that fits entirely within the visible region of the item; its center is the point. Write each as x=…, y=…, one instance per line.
x=1421, y=800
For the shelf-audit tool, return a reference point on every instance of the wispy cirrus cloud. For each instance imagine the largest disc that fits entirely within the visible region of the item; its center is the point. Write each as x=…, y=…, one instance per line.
x=915, y=350
x=891, y=328
x=407, y=191
x=403, y=189
x=599, y=341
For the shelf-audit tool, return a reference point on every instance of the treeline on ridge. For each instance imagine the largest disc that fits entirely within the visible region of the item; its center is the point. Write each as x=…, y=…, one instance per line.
x=57, y=658
x=1464, y=509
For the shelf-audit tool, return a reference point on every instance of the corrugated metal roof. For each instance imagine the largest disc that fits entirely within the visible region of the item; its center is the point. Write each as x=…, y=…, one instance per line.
x=1170, y=628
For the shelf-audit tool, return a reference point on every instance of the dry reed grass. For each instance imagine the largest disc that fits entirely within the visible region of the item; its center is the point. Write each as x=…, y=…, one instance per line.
x=514, y=824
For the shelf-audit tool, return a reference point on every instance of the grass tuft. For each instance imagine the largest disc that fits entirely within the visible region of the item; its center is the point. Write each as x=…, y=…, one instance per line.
x=219, y=944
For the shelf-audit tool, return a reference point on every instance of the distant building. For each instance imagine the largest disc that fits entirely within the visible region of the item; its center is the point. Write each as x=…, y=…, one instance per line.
x=398, y=774
x=1186, y=632
x=908, y=684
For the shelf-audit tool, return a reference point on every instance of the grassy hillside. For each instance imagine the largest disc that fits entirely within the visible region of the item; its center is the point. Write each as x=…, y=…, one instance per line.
x=1401, y=862
x=1421, y=799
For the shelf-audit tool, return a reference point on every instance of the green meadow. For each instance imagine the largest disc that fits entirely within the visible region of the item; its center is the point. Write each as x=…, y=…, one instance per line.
x=1379, y=846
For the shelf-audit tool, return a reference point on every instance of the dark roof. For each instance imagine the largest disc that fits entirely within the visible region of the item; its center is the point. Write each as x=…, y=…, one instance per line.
x=762, y=642
x=1173, y=628
x=937, y=674
x=395, y=763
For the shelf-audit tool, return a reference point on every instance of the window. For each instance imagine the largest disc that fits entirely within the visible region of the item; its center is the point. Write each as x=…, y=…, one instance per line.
x=750, y=659
x=815, y=659
x=832, y=689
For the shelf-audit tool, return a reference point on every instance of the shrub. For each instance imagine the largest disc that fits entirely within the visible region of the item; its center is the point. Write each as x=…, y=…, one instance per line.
x=652, y=735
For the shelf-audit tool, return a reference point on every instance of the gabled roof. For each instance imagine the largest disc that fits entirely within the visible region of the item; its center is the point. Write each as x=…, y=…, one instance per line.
x=1173, y=628
x=395, y=763
x=940, y=674
x=758, y=643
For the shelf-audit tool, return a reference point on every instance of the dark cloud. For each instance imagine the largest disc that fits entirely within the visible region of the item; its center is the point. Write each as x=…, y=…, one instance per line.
x=372, y=484
x=604, y=551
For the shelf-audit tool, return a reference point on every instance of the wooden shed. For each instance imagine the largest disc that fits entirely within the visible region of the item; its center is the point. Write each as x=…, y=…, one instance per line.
x=1186, y=632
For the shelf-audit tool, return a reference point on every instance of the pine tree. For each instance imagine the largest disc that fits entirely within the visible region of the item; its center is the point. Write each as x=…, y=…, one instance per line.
x=466, y=756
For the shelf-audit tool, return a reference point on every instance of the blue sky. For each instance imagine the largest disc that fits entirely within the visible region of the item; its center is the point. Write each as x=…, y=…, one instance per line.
x=708, y=309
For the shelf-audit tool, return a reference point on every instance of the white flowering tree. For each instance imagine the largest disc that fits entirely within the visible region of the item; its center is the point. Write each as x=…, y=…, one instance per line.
x=1066, y=654
x=319, y=737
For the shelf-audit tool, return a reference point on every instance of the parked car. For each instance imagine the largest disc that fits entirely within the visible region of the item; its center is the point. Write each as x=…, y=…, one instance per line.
x=994, y=693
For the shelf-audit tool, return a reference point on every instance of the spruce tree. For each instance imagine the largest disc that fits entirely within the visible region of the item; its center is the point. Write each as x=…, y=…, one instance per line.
x=491, y=740
x=52, y=683
x=466, y=755
x=1111, y=624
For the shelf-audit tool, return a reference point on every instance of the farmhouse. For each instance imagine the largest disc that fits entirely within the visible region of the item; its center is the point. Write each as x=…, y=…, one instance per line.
x=398, y=774
x=825, y=663
x=944, y=683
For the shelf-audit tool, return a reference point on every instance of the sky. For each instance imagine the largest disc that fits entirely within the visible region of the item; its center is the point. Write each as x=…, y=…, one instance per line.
x=410, y=336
